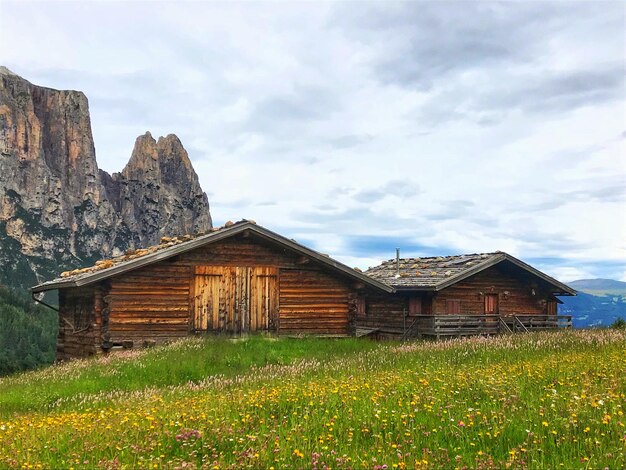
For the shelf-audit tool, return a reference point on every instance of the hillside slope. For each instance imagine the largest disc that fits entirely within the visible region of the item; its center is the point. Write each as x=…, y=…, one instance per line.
x=506, y=402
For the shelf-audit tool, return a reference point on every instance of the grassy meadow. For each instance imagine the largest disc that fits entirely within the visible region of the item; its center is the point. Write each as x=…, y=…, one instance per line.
x=541, y=400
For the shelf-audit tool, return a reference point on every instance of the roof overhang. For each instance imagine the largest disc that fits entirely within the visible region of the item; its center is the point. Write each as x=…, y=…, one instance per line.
x=562, y=289
x=166, y=253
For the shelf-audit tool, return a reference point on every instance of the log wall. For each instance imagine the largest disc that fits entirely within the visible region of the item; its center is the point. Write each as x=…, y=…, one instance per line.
x=386, y=313
x=148, y=305
x=79, y=329
x=286, y=293
x=514, y=294
x=313, y=302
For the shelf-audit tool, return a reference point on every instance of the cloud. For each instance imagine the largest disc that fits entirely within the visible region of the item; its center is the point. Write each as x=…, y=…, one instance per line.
x=430, y=40
x=302, y=104
x=398, y=188
x=559, y=91
x=348, y=141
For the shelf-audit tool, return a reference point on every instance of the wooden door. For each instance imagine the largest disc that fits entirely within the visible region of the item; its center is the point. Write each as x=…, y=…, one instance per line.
x=491, y=304
x=264, y=299
x=235, y=299
x=209, y=285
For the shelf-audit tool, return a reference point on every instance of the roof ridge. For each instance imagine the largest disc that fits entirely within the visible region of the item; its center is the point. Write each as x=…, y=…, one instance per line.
x=393, y=260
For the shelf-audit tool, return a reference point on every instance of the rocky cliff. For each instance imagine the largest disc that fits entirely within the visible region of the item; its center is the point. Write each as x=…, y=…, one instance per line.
x=58, y=210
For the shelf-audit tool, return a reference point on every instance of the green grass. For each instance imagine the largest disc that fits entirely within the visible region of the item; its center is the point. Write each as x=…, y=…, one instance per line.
x=549, y=400
x=191, y=360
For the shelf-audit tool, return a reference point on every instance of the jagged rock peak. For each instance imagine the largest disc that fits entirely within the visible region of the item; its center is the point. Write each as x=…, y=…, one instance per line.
x=160, y=174
x=149, y=155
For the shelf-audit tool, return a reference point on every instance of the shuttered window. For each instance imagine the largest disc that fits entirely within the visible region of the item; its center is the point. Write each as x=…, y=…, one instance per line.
x=360, y=306
x=551, y=308
x=491, y=304
x=453, y=307
x=415, y=306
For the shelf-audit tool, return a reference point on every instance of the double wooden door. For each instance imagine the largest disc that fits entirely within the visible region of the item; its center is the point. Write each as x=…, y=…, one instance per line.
x=235, y=299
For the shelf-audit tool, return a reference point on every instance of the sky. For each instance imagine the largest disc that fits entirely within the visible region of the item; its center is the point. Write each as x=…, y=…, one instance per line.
x=358, y=127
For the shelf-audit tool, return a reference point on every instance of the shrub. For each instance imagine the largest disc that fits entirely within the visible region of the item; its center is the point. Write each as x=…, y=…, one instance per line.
x=619, y=324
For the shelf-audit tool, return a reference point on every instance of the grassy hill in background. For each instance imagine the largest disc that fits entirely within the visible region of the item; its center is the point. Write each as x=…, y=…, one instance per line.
x=501, y=402
x=599, y=302
x=28, y=333
x=600, y=287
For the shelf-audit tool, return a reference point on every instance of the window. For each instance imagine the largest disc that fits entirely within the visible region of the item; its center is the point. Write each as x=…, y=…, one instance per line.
x=491, y=304
x=453, y=307
x=551, y=308
x=360, y=306
x=415, y=306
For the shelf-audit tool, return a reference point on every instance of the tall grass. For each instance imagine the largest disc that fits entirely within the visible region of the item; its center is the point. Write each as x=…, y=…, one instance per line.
x=190, y=360
x=549, y=400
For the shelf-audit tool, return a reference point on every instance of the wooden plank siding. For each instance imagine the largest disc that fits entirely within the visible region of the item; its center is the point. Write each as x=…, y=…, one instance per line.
x=495, y=288
x=384, y=313
x=514, y=294
x=313, y=302
x=79, y=329
x=150, y=304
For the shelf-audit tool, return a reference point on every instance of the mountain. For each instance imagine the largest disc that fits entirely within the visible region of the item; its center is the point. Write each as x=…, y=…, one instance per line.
x=599, y=302
x=599, y=286
x=58, y=210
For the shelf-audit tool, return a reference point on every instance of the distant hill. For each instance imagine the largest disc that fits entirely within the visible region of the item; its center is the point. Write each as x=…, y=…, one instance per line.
x=599, y=287
x=599, y=302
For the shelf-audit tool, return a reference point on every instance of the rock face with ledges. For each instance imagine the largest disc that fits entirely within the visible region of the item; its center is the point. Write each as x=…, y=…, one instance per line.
x=58, y=210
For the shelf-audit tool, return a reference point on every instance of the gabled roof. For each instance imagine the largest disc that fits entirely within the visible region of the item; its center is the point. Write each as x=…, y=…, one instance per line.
x=173, y=247
x=436, y=273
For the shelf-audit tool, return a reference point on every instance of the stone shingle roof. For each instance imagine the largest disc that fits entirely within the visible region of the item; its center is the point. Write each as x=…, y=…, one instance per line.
x=435, y=273
x=428, y=272
x=165, y=243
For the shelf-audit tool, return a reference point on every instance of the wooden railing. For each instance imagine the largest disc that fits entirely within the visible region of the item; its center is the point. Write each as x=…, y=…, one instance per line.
x=482, y=324
x=457, y=325
x=540, y=322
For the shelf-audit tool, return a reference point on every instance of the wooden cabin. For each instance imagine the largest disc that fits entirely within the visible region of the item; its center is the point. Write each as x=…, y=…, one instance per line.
x=238, y=279
x=470, y=294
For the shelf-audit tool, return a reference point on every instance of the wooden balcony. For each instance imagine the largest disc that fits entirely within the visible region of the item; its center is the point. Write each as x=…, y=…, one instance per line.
x=537, y=322
x=477, y=324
